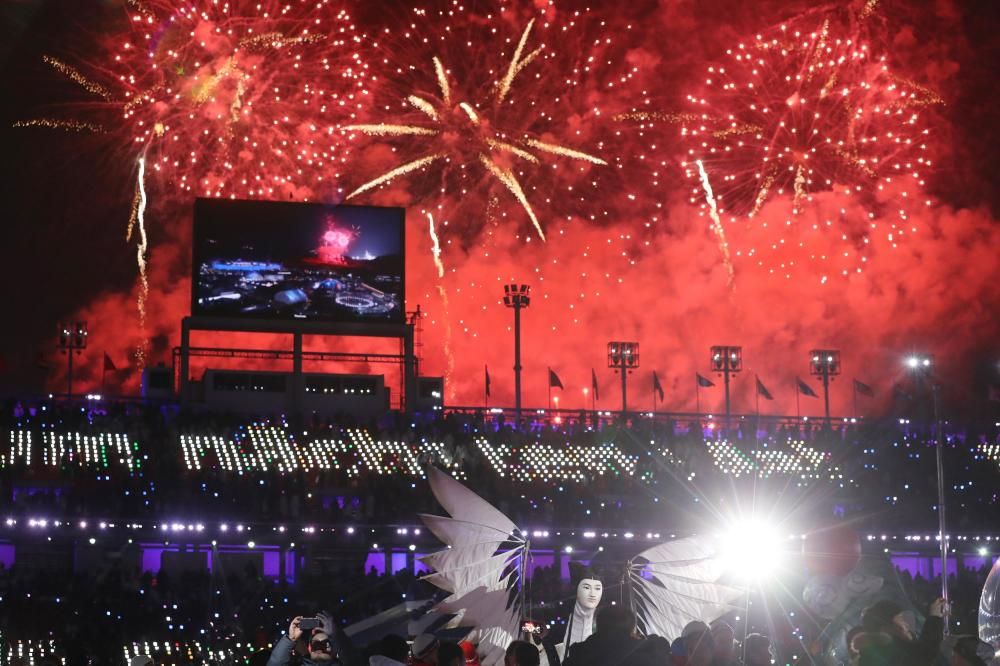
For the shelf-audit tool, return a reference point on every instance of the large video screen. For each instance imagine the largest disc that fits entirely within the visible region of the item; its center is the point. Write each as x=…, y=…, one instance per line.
x=284, y=261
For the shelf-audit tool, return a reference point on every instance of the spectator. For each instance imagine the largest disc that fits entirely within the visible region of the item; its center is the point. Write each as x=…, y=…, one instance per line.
x=425, y=649
x=318, y=650
x=450, y=654
x=887, y=639
x=392, y=650
x=724, y=640
x=521, y=653
x=757, y=650
x=970, y=651
x=699, y=647
x=613, y=642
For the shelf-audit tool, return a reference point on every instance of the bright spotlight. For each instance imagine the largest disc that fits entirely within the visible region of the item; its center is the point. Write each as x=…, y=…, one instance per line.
x=983, y=551
x=752, y=551
x=913, y=362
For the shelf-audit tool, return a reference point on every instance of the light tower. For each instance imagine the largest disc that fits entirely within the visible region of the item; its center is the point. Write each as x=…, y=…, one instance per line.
x=623, y=357
x=727, y=360
x=72, y=338
x=825, y=363
x=518, y=297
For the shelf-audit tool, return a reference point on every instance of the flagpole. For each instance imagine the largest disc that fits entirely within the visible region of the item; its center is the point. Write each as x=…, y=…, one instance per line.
x=697, y=397
x=798, y=412
x=756, y=403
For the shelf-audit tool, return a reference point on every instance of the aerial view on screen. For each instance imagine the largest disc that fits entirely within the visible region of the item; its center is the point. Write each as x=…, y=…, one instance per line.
x=275, y=260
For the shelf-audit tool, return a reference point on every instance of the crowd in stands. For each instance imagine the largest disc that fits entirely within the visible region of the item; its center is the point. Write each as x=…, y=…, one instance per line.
x=134, y=462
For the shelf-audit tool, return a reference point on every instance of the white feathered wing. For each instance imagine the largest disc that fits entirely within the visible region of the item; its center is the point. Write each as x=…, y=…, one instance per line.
x=481, y=568
x=677, y=582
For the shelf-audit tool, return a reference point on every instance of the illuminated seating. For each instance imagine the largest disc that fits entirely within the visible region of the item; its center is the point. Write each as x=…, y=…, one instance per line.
x=797, y=460
x=101, y=450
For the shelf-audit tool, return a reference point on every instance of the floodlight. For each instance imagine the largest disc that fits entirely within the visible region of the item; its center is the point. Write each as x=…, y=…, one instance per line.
x=752, y=550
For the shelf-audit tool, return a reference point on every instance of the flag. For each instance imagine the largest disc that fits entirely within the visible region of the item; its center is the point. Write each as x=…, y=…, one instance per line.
x=863, y=389
x=703, y=382
x=804, y=388
x=593, y=384
x=554, y=380
x=762, y=390
x=109, y=365
x=994, y=393
x=487, y=369
x=656, y=385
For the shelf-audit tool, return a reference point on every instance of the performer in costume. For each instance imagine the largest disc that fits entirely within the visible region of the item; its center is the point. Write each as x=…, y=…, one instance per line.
x=580, y=624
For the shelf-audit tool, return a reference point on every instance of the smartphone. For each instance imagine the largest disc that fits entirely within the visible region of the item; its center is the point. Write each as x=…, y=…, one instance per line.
x=532, y=627
x=310, y=623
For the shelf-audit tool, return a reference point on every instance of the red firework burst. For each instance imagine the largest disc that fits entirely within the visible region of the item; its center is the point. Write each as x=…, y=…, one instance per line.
x=497, y=109
x=236, y=99
x=800, y=113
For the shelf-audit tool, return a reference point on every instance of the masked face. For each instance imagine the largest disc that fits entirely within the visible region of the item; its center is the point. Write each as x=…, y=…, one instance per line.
x=589, y=592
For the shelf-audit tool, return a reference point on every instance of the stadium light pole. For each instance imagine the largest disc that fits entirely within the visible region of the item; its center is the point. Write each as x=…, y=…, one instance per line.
x=825, y=363
x=623, y=357
x=518, y=297
x=921, y=366
x=72, y=338
x=727, y=360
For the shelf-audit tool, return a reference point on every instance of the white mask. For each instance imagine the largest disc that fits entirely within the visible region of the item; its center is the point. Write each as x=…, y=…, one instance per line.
x=588, y=593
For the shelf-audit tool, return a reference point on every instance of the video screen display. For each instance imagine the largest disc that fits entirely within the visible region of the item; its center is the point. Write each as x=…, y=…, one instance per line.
x=277, y=260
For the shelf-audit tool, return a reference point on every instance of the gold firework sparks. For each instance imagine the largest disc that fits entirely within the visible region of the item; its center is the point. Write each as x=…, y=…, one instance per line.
x=507, y=177
x=564, y=151
x=800, y=185
x=655, y=115
x=69, y=125
x=386, y=129
x=74, y=74
x=423, y=105
x=142, y=244
x=442, y=78
x=439, y=109
x=276, y=40
x=395, y=173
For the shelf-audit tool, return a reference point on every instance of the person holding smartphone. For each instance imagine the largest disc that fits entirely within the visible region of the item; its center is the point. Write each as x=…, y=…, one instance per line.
x=312, y=639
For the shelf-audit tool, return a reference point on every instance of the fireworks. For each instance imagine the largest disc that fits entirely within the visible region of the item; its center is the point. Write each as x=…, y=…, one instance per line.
x=236, y=99
x=473, y=135
x=717, y=227
x=800, y=113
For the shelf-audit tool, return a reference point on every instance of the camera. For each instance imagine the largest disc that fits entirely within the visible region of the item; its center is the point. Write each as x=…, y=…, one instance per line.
x=310, y=623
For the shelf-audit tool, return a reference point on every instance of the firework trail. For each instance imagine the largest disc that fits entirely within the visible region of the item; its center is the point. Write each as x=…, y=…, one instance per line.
x=435, y=246
x=717, y=227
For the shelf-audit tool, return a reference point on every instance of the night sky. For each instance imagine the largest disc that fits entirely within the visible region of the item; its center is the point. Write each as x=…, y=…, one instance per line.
x=631, y=251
